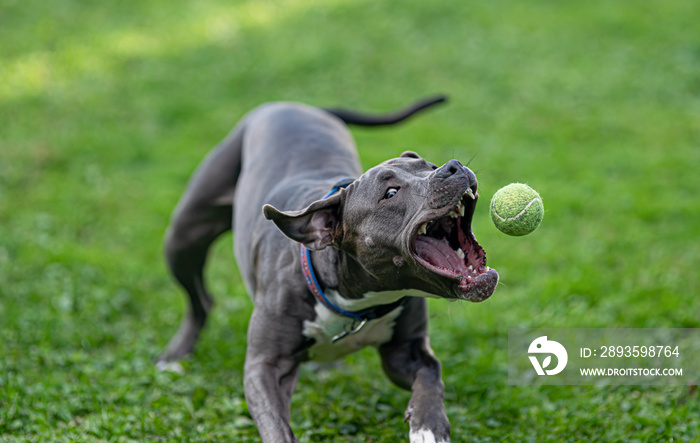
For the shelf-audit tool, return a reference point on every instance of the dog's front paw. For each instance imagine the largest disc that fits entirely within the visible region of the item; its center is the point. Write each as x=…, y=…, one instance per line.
x=428, y=425
x=170, y=366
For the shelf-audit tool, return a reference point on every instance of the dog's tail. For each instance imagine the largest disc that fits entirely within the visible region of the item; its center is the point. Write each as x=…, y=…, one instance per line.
x=356, y=118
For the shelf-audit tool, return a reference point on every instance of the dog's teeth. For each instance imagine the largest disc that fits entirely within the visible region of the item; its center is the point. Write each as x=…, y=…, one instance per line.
x=457, y=211
x=423, y=228
x=471, y=268
x=470, y=193
x=460, y=254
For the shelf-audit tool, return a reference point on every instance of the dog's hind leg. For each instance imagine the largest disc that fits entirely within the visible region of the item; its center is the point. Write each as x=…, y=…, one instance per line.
x=203, y=213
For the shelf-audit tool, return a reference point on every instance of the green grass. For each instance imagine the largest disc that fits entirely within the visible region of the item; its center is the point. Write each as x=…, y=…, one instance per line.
x=106, y=108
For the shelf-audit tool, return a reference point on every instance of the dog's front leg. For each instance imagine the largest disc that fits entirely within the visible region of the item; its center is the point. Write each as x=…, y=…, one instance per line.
x=413, y=366
x=270, y=377
x=410, y=363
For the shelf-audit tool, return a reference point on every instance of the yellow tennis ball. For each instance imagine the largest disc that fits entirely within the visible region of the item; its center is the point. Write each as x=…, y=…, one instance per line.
x=516, y=209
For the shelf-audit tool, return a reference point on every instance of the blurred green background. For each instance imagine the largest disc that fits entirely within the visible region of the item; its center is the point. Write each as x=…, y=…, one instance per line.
x=107, y=107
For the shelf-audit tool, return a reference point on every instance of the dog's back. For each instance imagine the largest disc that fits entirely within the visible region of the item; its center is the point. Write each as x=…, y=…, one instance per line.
x=290, y=152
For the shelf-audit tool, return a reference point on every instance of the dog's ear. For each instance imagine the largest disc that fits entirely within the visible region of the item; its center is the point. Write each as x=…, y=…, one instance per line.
x=410, y=154
x=314, y=226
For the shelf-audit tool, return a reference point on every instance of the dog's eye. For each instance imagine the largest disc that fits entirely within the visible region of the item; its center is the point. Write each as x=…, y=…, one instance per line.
x=390, y=193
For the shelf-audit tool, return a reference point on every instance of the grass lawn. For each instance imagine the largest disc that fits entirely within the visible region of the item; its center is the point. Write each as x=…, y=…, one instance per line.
x=107, y=107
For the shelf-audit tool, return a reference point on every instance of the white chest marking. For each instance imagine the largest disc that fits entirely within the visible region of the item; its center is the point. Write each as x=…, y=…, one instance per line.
x=373, y=298
x=424, y=436
x=328, y=324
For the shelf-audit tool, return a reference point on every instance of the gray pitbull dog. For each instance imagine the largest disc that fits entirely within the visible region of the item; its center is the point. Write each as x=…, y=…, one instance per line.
x=398, y=233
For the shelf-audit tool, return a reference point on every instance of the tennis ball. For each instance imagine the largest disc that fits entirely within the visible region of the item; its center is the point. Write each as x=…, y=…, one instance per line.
x=516, y=209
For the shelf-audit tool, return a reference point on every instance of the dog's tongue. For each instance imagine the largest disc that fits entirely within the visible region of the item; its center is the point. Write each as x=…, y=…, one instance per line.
x=438, y=253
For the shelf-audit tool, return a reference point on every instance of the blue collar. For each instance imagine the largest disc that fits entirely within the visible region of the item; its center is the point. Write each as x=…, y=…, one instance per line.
x=359, y=318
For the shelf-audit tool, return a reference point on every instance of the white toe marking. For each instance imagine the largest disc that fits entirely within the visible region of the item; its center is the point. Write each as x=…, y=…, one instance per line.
x=171, y=366
x=424, y=436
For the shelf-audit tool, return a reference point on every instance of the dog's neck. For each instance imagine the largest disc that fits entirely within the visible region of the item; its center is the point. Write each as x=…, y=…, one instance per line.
x=338, y=270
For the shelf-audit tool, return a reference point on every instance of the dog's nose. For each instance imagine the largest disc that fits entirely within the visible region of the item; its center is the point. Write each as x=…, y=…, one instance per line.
x=449, y=169
x=453, y=167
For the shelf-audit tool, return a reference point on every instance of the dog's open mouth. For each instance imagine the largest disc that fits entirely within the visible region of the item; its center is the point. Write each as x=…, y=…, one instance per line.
x=447, y=247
